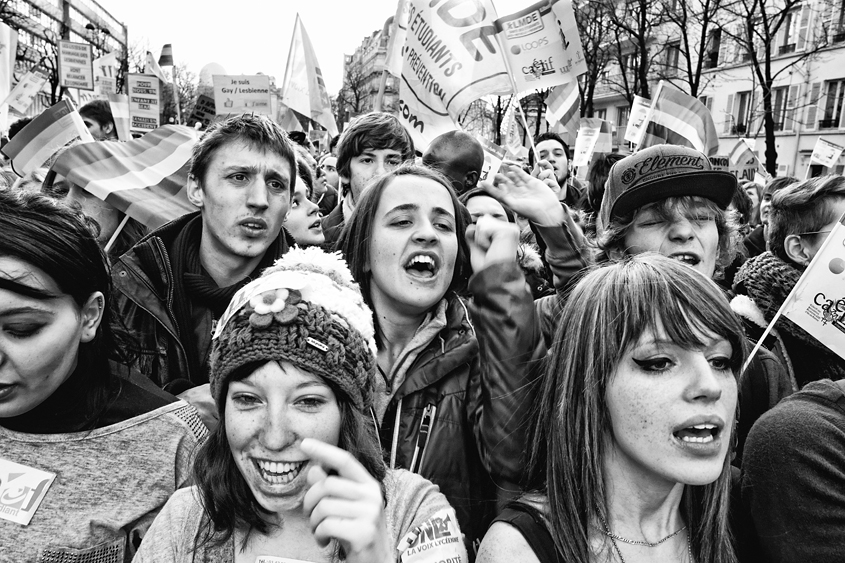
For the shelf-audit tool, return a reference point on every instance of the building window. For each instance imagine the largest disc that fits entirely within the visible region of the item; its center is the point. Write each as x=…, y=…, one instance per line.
x=742, y=113
x=673, y=56
x=789, y=32
x=779, y=98
x=601, y=113
x=833, y=107
x=623, y=113
x=714, y=43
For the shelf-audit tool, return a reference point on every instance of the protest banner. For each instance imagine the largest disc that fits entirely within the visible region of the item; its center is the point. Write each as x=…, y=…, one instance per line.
x=119, y=104
x=152, y=67
x=539, y=53
x=509, y=129
x=145, y=178
x=105, y=75
x=303, y=89
x=678, y=119
x=826, y=153
x=8, y=49
x=636, y=120
x=144, y=102
x=76, y=65
x=203, y=113
x=562, y=110
x=25, y=90
x=449, y=59
x=493, y=157
x=43, y=136
x=234, y=94
x=593, y=136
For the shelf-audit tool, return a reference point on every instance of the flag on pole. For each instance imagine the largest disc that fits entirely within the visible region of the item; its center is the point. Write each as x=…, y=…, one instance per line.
x=145, y=178
x=287, y=119
x=509, y=130
x=152, y=67
x=741, y=154
x=636, y=119
x=594, y=136
x=826, y=153
x=27, y=87
x=119, y=104
x=563, y=106
x=166, y=57
x=303, y=89
x=8, y=51
x=679, y=119
x=44, y=136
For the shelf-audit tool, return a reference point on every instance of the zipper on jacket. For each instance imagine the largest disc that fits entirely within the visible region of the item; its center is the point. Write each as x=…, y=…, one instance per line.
x=395, y=442
x=423, y=436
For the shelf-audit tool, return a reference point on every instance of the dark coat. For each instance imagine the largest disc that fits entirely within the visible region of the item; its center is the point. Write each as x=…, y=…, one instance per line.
x=475, y=373
x=333, y=225
x=144, y=293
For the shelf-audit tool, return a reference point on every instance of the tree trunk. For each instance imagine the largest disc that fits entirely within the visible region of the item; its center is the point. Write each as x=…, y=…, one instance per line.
x=769, y=126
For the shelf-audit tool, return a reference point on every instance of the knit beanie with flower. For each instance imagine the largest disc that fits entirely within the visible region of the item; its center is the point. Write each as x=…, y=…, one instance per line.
x=306, y=310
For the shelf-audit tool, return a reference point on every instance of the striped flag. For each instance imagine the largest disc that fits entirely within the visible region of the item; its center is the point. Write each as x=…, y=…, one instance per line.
x=562, y=106
x=741, y=154
x=145, y=178
x=119, y=104
x=509, y=129
x=36, y=143
x=679, y=119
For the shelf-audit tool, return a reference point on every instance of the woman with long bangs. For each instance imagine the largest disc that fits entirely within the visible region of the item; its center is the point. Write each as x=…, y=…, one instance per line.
x=630, y=456
x=294, y=471
x=440, y=413
x=88, y=453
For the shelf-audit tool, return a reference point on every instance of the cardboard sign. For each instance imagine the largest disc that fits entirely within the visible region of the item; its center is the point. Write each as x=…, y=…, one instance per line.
x=241, y=94
x=540, y=54
x=587, y=141
x=144, y=102
x=636, y=121
x=203, y=112
x=826, y=153
x=76, y=65
x=493, y=157
x=25, y=90
x=22, y=489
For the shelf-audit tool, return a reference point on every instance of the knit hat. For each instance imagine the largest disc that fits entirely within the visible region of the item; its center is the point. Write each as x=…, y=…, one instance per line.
x=659, y=172
x=306, y=310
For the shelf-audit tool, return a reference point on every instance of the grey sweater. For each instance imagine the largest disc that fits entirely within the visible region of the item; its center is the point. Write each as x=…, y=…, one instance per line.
x=412, y=502
x=110, y=484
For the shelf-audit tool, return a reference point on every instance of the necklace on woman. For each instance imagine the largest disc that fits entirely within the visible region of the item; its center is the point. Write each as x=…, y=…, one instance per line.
x=613, y=537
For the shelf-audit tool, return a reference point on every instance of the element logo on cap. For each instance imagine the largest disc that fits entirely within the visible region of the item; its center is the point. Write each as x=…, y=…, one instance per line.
x=629, y=175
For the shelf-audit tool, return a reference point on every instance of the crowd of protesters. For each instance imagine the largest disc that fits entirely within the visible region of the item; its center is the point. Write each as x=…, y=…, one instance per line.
x=373, y=354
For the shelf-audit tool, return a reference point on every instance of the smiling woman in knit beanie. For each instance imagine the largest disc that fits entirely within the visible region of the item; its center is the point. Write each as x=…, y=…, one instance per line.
x=294, y=469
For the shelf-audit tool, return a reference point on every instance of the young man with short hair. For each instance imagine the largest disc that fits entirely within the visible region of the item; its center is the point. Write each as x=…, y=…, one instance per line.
x=371, y=145
x=552, y=149
x=99, y=120
x=175, y=283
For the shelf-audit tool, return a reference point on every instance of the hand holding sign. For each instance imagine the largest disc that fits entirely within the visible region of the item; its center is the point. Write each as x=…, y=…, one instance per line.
x=347, y=507
x=527, y=196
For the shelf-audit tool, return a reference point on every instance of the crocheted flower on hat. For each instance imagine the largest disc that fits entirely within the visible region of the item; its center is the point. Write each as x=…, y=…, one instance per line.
x=279, y=304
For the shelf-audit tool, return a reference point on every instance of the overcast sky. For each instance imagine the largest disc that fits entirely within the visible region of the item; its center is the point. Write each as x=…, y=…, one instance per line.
x=251, y=36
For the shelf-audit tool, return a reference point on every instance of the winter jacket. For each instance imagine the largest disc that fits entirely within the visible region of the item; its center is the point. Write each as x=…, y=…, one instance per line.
x=459, y=417
x=143, y=280
x=333, y=225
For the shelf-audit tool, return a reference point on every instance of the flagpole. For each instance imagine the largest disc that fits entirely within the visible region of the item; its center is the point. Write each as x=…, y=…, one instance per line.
x=648, y=116
x=116, y=233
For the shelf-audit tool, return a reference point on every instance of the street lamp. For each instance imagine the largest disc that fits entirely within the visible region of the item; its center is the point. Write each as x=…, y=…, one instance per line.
x=98, y=37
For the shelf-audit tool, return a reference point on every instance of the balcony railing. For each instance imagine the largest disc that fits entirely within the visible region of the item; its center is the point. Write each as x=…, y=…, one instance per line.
x=786, y=49
x=746, y=57
x=838, y=37
x=778, y=125
x=739, y=129
x=828, y=123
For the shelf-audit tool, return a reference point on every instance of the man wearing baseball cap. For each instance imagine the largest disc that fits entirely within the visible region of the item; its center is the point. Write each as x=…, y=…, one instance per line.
x=669, y=199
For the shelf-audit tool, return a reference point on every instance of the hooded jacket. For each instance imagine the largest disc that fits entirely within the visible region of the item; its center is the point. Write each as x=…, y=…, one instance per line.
x=144, y=282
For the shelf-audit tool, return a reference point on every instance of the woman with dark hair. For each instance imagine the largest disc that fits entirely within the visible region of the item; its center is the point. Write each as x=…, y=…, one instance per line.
x=107, y=451
x=294, y=469
x=441, y=412
x=630, y=456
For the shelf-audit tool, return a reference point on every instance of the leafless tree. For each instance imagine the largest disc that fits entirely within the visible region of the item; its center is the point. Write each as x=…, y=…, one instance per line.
x=593, y=20
x=689, y=52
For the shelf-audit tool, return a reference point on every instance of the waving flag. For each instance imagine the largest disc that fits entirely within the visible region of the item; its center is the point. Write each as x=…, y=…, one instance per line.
x=44, y=136
x=145, y=178
x=303, y=89
x=742, y=154
x=563, y=107
x=119, y=104
x=679, y=119
x=152, y=67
